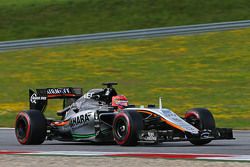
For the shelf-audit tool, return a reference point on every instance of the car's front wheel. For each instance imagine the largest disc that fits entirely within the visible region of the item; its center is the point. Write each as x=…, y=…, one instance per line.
x=202, y=119
x=126, y=128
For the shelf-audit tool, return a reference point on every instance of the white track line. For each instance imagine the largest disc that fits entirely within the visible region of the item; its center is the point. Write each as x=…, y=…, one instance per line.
x=221, y=157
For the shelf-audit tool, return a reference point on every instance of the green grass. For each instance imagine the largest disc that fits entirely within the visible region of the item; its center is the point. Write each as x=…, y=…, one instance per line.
x=43, y=18
x=207, y=70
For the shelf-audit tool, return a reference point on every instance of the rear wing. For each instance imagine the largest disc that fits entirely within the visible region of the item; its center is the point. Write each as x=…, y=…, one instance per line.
x=38, y=100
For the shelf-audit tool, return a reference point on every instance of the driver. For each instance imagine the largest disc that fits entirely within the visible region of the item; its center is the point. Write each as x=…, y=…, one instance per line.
x=119, y=102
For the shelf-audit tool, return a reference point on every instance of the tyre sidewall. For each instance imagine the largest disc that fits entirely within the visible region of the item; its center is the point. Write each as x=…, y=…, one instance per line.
x=22, y=116
x=125, y=117
x=134, y=126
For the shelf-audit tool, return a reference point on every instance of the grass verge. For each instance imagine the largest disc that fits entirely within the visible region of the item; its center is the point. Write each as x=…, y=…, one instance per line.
x=208, y=70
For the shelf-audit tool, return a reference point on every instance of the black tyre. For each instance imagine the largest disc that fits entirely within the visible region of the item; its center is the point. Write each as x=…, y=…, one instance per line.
x=200, y=118
x=126, y=128
x=30, y=127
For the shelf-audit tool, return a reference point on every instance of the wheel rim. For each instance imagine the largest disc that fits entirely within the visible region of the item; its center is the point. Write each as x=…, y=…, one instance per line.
x=121, y=128
x=21, y=127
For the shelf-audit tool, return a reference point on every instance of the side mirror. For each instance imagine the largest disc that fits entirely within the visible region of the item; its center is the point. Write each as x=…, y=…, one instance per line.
x=74, y=108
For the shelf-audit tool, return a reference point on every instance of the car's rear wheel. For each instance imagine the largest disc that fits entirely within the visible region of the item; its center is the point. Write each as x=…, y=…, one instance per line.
x=30, y=127
x=202, y=119
x=126, y=128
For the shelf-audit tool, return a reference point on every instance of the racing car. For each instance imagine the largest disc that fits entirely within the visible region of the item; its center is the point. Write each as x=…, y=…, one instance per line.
x=101, y=115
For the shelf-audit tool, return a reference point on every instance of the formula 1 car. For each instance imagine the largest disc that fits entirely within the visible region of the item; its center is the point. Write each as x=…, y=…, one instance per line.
x=100, y=115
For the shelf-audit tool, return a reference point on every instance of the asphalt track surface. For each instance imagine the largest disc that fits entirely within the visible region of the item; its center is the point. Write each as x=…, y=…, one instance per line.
x=239, y=146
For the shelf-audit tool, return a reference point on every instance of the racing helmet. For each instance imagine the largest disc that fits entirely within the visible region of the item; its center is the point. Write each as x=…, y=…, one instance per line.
x=119, y=101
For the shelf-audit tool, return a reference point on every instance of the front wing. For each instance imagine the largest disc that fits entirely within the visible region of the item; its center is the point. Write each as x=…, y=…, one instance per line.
x=156, y=136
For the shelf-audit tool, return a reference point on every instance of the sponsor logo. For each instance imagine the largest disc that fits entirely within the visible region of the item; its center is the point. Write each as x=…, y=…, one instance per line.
x=58, y=91
x=80, y=120
x=177, y=120
x=169, y=113
x=34, y=98
x=151, y=136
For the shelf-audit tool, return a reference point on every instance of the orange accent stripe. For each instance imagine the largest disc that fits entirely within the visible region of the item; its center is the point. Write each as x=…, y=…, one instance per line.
x=172, y=124
x=146, y=112
x=60, y=123
x=164, y=120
